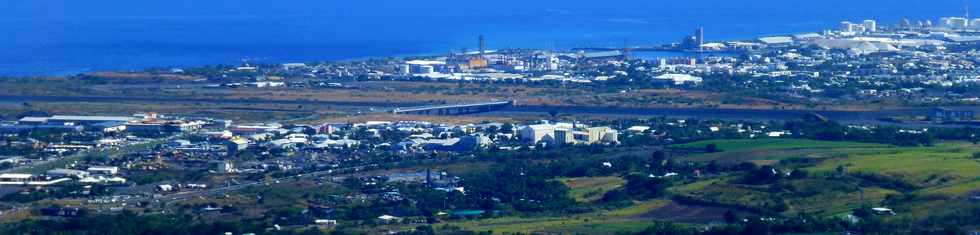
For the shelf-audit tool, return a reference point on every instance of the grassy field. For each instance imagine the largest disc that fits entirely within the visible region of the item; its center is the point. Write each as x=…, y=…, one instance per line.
x=944, y=166
x=771, y=151
x=590, y=189
x=632, y=218
x=603, y=222
x=946, y=169
x=764, y=144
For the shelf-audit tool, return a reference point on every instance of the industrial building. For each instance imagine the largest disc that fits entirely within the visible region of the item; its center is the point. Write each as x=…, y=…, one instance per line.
x=567, y=134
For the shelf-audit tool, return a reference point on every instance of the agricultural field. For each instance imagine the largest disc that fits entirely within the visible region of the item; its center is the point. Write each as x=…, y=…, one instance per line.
x=771, y=151
x=591, y=189
x=631, y=218
x=871, y=174
x=911, y=180
x=764, y=144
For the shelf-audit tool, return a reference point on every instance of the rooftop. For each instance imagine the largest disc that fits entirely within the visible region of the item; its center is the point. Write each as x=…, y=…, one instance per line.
x=15, y=176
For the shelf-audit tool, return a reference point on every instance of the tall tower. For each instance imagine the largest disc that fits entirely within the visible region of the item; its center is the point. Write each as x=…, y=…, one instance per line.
x=699, y=36
x=627, y=51
x=483, y=45
x=966, y=10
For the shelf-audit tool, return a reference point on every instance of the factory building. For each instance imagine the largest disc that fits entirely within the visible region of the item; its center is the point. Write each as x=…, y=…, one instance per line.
x=866, y=26
x=955, y=22
x=567, y=134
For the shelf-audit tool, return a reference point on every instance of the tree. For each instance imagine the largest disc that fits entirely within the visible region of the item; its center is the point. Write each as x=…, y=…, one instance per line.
x=730, y=217
x=748, y=166
x=616, y=197
x=658, y=158
x=553, y=113
x=756, y=227
x=798, y=174
x=507, y=128
x=493, y=130
x=863, y=212
x=763, y=175
x=666, y=228
x=711, y=148
x=645, y=187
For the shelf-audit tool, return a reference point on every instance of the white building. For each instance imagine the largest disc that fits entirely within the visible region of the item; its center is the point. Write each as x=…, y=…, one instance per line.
x=226, y=167
x=290, y=66
x=680, y=79
x=567, y=134
x=975, y=24
x=955, y=22
x=426, y=69
x=846, y=27
x=28, y=179
x=67, y=173
x=535, y=134
x=165, y=188
x=104, y=170
x=405, y=69
x=870, y=25
x=638, y=129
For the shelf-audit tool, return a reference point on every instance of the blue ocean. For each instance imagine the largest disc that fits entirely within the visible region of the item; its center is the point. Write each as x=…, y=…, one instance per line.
x=60, y=37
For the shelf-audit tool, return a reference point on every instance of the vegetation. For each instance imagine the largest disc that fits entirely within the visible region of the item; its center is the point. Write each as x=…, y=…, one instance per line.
x=813, y=182
x=127, y=223
x=72, y=190
x=783, y=179
x=590, y=189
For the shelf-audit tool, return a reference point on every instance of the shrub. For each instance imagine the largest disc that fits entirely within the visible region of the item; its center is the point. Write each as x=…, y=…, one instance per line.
x=798, y=174
x=711, y=148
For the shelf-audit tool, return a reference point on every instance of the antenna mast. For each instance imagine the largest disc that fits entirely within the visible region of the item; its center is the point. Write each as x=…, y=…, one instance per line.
x=966, y=9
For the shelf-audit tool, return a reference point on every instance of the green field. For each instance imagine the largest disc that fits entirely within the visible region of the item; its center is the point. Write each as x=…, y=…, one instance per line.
x=771, y=151
x=631, y=218
x=590, y=189
x=947, y=169
x=764, y=144
x=944, y=166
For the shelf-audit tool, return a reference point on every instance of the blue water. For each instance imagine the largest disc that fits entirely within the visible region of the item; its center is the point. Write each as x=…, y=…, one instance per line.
x=57, y=37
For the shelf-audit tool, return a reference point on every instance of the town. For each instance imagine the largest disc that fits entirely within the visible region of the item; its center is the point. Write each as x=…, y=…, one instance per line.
x=863, y=129
x=150, y=162
x=916, y=64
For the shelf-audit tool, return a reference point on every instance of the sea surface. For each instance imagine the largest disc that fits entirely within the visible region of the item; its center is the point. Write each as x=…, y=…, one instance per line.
x=63, y=37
